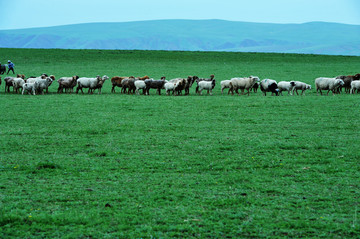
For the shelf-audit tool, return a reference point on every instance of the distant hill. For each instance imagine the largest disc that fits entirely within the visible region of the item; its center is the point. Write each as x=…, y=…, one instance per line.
x=193, y=35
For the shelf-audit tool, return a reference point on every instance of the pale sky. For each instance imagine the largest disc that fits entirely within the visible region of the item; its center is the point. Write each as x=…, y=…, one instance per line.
x=40, y=13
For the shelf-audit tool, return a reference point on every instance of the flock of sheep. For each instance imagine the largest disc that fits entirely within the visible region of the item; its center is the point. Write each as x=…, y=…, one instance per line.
x=37, y=85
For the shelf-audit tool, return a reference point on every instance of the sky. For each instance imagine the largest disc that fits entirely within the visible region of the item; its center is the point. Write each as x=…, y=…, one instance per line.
x=18, y=14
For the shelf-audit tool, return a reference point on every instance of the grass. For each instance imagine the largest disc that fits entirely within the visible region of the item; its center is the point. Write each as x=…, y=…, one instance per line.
x=127, y=166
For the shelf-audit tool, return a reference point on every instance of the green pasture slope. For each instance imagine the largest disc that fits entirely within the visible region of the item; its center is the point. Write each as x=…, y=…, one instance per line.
x=128, y=166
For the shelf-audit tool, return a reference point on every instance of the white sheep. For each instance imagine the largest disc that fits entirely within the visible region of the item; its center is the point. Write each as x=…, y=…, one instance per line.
x=18, y=84
x=91, y=83
x=355, y=86
x=30, y=87
x=169, y=86
x=224, y=85
x=301, y=86
x=324, y=83
x=243, y=84
x=286, y=86
x=206, y=85
x=140, y=84
x=43, y=83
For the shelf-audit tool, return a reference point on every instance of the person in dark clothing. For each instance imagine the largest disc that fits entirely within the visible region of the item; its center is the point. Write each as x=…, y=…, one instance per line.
x=10, y=67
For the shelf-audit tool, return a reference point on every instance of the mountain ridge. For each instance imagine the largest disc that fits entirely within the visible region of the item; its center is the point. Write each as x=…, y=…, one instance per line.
x=192, y=35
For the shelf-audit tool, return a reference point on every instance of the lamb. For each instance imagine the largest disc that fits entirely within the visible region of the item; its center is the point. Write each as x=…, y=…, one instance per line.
x=91, y=83
x=301, y=86
x=324, y=83
x=179, y=86
x=355, y=86
x=30, y=87
x=18, y=84
x=206, y=85
x=268, y=85
x=286, y=86
x=224, y=85
x=242, y=84
x=67, y=83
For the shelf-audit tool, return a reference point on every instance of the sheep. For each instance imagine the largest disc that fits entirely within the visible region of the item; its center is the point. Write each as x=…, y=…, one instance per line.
x=198, y=80
x=17, y=84
x=206, y=85
x=301, y=86
x=286, y=86
x=169, y=86
x=43, y=81
x=268, y=85
x=179, y=86
x=324, y=83
x=91, y=83
x=2, y=69
x=355, y=86
x=139, y=84
x=30, y=87
x=347, y=82
x=116, y=81
x=8, y=83
x=255, y=87
x=67, y=83
x=155, y=84
x=224, y=85
x=128, y=83
x=101, y=81
x=242, y=84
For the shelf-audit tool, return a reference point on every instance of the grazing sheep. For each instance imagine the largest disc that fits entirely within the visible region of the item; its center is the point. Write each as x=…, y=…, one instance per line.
x=155, y=84
x=30, y=88
x=355, y=86
x=243, y=84
x=91, y=83
x=18, y=84
x=301, y=86
x=224, y=85
x=324, y=83
x=67, y=83
x=286, y=86
x=268, y=85
x=206, y=85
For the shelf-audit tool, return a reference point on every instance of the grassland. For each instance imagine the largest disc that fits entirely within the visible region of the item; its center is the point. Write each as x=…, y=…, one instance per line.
x=127, y=166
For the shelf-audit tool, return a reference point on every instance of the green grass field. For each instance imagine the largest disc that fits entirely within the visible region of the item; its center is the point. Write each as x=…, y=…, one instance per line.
x=128, y=166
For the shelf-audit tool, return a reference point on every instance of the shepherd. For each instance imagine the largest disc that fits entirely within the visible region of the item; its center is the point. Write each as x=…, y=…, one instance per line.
x=10, y=67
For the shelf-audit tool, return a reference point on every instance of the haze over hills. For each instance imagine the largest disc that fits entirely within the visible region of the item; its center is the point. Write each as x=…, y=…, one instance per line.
x=193, y=35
